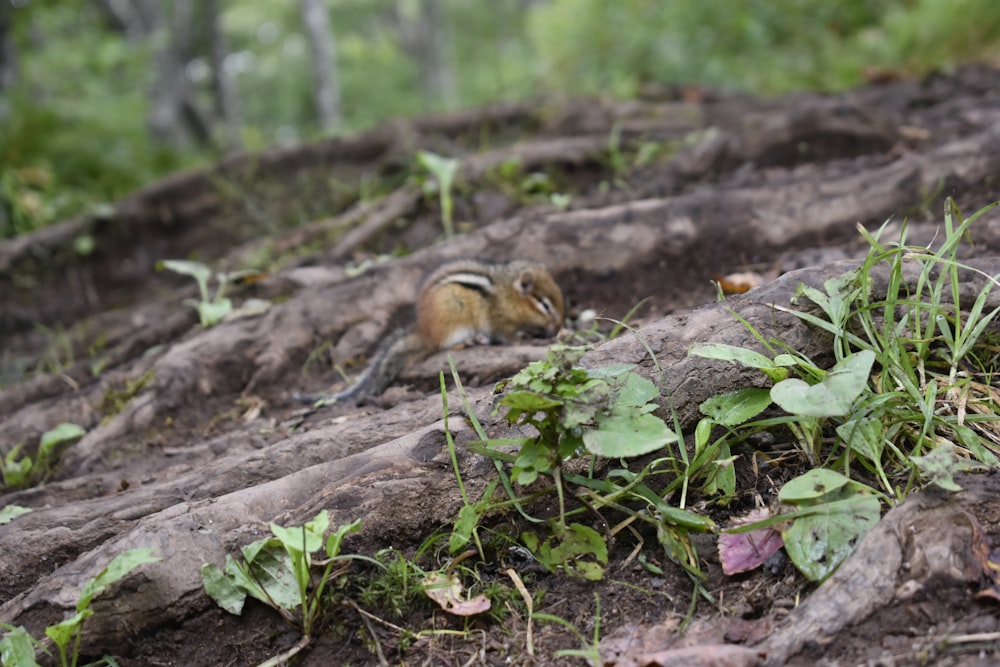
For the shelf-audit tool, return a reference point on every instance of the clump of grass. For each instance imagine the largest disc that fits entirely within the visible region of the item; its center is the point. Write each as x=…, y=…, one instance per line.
x=907, y=403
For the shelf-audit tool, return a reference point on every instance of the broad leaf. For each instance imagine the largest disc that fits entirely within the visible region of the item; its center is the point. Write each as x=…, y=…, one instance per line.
x=834, y=395
x=620, y=435
x=117, y=569
x=819, y=542
x=62, y=433
x=812, y=486
x=16, y=649
x=11, y=512
x=737, y=407
x=223, y=589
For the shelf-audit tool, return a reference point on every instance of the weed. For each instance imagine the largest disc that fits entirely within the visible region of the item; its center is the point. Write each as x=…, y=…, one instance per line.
x=444, y=170
x=211, y=309
x=18, y=648
x=603, y=412
x=896, y=400
x=115, y=400
x=590, y=648
x=278, y=572
x=22, y=472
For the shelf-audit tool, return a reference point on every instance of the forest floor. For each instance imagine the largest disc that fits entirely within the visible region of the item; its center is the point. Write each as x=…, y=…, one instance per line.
x=194, y=443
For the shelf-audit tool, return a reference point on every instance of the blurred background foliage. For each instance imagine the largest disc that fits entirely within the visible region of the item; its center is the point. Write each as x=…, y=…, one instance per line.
x=98, y=97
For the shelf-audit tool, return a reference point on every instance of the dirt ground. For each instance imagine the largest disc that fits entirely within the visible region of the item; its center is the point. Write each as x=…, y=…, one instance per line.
x=194, y=442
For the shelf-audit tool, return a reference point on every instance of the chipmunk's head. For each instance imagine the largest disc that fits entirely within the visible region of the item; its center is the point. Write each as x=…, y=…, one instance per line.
x=536, y=303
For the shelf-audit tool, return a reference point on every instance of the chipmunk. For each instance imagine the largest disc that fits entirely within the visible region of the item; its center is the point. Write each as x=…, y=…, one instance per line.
x=464, y=302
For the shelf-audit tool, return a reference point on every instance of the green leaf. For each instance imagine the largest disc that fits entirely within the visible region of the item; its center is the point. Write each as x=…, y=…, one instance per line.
x=637, y=391
x=442, y=168
x=299, y=542
x=834, y=395
x=940, y=465
x=968, y=439
x=622, y=435
x=739, y=355
x=865, y=436
x=117, y=569
x=222, y=588
x=578, y=549
x=702, y=432
x=532, y=460
x=273, y=581
x=527, y=401
x=201, y=273
x=11, y=512
x=17, y=649
x=468, y=519
x=723, y=478
x=251, y=550
x=612, y=372
x=308, y=538
x=196, y=270
x=812, y=486
x=211, y=313
x=736, y=407
x=61, y=633
x=819, y=542
x=16, y=473
x=334, y=541
x=64, y=432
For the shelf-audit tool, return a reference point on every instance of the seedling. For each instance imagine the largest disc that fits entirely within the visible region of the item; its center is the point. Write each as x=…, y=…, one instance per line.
x=18, y=648
x=22, y=472
x=278, y=572
x=443, y=169
x=599, y=412
x=211, y=309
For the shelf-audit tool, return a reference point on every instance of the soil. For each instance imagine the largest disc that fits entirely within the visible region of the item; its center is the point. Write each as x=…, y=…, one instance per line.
x=194, y=443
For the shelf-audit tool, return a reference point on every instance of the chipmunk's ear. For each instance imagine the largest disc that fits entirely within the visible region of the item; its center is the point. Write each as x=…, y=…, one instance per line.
x=525, y=282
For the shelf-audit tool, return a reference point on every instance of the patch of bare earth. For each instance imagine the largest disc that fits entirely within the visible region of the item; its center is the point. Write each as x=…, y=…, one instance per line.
x=211, y=449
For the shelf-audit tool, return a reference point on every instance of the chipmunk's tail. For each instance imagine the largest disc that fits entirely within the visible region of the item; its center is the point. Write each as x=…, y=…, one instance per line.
x=396, y=352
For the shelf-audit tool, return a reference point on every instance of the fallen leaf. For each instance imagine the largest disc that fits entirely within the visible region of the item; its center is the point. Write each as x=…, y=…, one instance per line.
x=447, y=592
x=742, y=552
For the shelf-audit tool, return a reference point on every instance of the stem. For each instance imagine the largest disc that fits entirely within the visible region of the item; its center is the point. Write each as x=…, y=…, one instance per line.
x=283, y=658
x=557, y=476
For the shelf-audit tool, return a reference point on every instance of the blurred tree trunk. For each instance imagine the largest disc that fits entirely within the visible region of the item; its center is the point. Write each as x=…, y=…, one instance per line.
x=426, y=37
x=323, y=48
x=224, y=91
x=174, y=118
x=8, y=50
x=133, y=19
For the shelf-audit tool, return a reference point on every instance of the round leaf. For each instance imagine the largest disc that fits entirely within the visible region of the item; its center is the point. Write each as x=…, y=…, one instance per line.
x=628, y=435
x=833, y=396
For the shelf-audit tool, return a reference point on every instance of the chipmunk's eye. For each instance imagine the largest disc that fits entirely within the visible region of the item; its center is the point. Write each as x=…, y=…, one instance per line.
x=545, y=305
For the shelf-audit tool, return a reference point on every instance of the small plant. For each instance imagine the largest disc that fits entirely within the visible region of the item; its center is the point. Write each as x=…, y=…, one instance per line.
x=561, y=201
x=590, y=648
x=278, y=572
x=603, y=412
x=18, y=648
x=444, y=170
x=115, y=400
x=22, y=472
x=902, y=400
x=211, y=309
